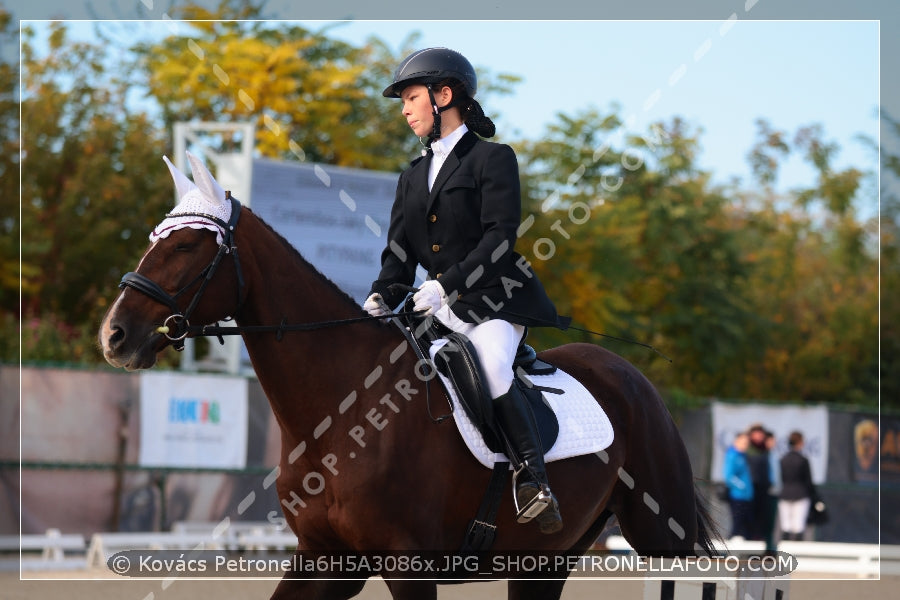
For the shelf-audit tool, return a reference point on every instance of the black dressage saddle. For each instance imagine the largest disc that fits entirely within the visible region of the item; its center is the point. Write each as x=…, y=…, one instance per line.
x=458, y=363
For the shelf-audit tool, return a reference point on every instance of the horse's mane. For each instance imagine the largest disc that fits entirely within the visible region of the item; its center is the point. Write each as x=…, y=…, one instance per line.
x=345, y=297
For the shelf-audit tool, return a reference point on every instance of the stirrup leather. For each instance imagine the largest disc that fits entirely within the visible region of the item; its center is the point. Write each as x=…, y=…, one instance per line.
x=540, y=501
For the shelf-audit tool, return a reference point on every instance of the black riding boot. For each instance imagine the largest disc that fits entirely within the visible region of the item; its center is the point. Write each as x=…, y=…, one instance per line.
x=533, y=496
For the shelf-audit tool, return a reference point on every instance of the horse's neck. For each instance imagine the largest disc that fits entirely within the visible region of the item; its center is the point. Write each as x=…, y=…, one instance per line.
x=303, y=368
x=283, y=285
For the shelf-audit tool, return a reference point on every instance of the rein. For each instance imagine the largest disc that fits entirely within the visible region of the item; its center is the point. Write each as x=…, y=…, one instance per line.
x=282, y=328
x=177, y=326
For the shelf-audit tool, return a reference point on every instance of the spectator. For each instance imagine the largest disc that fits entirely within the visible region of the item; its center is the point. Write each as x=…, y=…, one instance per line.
x=740, y=486
x=772, y=493
x=796, y=489
x=758, y=460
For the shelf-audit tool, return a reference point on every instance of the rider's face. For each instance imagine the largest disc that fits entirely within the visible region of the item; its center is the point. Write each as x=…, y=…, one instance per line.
x=417, y=109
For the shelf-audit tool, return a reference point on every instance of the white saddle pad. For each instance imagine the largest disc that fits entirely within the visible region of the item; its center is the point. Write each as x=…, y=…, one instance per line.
x=583, y=426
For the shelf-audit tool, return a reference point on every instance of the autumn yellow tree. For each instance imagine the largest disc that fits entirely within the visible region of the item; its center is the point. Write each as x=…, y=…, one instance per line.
x=91, y=189
x=753, y=294
x=817, y=276
x=311, y=97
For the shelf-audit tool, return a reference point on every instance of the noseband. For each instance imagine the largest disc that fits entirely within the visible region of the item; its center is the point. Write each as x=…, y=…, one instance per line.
x=176, y=326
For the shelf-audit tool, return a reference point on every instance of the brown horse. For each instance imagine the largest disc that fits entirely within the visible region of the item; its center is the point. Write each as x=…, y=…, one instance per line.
x=363, y=466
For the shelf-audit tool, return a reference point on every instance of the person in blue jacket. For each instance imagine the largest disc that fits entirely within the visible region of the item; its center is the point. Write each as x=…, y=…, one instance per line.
x=740, y=486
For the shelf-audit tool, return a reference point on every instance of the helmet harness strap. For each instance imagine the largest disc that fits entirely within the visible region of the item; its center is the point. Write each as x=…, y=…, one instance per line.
x=436, y=126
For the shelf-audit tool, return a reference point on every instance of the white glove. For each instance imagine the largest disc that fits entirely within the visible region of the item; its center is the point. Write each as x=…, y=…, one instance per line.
x=374, y=305
x=430, y=297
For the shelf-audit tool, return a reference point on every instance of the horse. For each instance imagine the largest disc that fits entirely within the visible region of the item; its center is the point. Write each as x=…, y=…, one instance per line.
x=364, y=467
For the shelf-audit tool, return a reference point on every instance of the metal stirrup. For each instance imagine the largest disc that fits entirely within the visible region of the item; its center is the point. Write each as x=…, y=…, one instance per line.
x=540, y=501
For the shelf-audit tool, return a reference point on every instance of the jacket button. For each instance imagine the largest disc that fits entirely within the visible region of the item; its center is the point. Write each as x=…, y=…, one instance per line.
x=436, y=248
x=432, y=218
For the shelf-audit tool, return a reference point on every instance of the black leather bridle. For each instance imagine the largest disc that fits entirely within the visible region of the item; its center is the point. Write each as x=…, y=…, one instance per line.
x=177, y=325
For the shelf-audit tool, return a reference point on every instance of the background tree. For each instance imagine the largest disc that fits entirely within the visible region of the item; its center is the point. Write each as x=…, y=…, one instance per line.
x=818, y=278
x=92, y=185
x=889, y=308
x=657, y=261
x=9, y=168
x=310, y=96
x=754, y=294
x=297, y=86
x=92, y=188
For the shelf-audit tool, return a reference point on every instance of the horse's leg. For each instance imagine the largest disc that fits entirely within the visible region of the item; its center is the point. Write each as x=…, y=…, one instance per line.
x=412, y=589
x=526, y=589
x=296, y=585
x=536, y=589
x=316, y=589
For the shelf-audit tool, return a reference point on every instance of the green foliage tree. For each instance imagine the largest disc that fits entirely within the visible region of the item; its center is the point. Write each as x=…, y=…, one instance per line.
x=92, y=184
x=9, y=168
x=753, y=293
x=658, y=260
x=92, y=188
x=889, y=308
x=817, y=281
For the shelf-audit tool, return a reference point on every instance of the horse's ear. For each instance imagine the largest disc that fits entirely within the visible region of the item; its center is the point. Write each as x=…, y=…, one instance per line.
x=205, y=181
x=183, y=185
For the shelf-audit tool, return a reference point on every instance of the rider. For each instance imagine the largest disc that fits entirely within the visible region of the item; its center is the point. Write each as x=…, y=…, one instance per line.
x=456, y=212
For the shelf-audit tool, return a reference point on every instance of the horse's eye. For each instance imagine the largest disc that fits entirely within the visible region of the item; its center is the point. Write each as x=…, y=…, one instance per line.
x=185, y=247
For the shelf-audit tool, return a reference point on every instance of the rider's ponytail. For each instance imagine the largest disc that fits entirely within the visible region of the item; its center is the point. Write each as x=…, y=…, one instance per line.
x=477, y=121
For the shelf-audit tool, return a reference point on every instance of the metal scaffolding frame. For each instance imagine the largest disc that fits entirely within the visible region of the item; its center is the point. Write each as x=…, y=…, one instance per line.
x=234, y=172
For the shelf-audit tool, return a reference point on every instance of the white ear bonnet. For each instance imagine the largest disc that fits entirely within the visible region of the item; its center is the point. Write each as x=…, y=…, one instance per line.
x=203, y=196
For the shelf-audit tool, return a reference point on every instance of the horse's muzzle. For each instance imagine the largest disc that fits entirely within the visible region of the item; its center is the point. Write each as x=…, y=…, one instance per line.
x=121, y=350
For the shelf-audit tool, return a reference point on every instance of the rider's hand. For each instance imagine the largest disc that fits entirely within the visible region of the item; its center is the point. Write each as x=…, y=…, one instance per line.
x=430, y=297
x=374, y=305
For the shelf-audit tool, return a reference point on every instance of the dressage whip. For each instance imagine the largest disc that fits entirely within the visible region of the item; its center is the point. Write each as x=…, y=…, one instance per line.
x=410, y=289
x=574, y=328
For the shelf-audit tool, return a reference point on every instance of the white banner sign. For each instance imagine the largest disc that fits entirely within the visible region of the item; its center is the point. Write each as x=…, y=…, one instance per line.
x=337, y=218
x=812, y=422
x=193, y=421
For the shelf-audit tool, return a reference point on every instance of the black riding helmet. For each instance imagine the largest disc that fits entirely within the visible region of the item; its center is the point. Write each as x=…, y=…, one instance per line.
x=433, y=65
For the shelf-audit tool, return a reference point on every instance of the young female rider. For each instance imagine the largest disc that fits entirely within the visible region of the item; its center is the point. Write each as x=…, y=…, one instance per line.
x=456, y=213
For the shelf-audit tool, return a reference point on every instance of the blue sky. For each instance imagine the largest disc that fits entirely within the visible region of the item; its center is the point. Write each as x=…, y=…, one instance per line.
x=719, y=75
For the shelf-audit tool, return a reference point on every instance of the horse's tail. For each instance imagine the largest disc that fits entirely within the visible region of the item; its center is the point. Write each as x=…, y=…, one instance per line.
x=707, y=531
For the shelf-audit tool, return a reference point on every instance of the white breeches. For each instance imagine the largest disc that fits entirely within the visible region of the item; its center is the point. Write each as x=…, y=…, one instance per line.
x=495, y=341
x=792, y=515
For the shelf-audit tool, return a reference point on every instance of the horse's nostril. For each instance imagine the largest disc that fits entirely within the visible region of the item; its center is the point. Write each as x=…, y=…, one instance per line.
x=117, y=336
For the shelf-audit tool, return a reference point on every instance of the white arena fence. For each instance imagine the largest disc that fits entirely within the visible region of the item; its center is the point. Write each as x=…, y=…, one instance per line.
x=54, y=550
x=833, y=558
x=47, y=551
